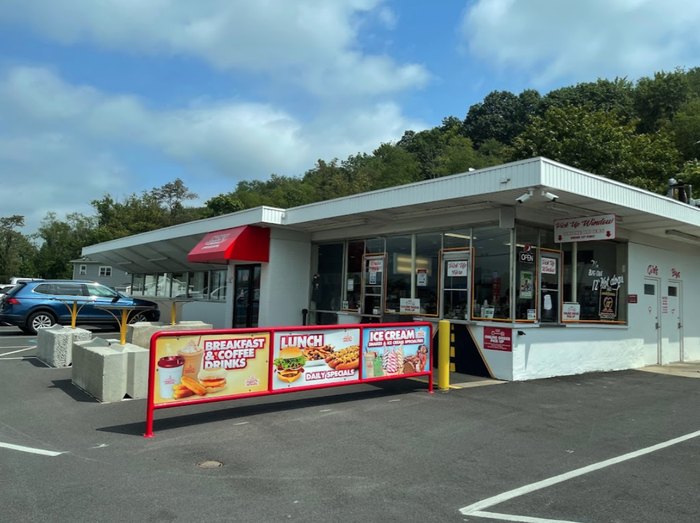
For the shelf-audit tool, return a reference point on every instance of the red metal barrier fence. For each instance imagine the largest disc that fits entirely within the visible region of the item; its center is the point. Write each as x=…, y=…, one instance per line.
x=192, y=367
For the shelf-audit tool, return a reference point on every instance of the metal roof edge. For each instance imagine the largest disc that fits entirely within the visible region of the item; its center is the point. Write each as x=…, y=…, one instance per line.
x=617, y=193
x=262, y=215
x=300, y=213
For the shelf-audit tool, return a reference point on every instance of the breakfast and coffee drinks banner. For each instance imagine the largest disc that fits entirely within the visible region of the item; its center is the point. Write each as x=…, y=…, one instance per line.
x=199, y=366
x=191, y=367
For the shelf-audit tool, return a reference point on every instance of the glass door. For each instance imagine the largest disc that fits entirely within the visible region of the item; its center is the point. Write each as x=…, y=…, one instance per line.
x=247, y=296
x=455, y=285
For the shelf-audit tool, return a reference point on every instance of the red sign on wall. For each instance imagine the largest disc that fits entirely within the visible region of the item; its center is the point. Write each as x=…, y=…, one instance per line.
x=497, y=338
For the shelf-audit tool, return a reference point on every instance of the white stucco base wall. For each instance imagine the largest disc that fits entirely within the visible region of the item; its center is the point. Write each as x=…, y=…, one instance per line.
x=547, y=352
x=544, y=352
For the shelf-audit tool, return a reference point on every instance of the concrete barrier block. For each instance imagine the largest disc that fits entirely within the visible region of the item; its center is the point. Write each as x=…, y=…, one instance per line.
x=100, y=368
x=136, y=371
x=140, y=333
x=55, y=344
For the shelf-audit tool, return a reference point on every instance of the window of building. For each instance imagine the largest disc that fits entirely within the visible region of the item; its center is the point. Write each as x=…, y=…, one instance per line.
x=150, y=284
x=104, y=271
x=491, y=280
x=399, y=271
x=178, y=287
x=457, y=239
x=426, y=272
x=218, y=286
x=198, y=285
x=353, y=278
x=374, y=246
x=138, y=284
x=596, y=282
x=82, y=269
x=526, y=273
x=327, y=289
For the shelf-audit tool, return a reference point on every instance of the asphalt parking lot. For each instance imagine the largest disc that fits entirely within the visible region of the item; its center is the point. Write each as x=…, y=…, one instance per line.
x=602, y=447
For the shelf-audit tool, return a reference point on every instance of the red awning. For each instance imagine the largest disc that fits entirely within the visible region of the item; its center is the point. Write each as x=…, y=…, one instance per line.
x=246, y=243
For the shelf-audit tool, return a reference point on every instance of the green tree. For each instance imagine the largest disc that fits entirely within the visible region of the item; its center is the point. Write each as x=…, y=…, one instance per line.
x=171, y=196
x=602, y=95
x=601, y=143
x=658, y=99
x=501, y=116
x=390, y=166
x=224, y=204
x=62, y=242
x=17, y=252
x=686, y=129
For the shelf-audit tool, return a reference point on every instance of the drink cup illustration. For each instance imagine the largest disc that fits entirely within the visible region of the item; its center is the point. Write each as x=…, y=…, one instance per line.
x=169, y=374
x=192, y=356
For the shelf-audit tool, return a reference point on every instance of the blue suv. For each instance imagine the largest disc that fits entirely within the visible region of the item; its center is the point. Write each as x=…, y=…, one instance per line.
x=35, y=305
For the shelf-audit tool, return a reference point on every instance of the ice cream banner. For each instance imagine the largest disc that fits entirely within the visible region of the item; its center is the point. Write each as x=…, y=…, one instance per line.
x=209, y=366
x=395, y=351
x=307, y=358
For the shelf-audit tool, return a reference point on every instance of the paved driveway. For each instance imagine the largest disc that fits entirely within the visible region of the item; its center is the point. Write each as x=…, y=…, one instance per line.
x=621, y=446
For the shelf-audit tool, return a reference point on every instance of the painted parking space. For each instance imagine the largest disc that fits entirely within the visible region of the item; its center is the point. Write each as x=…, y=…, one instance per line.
x=479, y=508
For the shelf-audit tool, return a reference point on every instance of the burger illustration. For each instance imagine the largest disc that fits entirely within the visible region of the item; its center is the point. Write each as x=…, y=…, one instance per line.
x=214, y=380
x=290, y=364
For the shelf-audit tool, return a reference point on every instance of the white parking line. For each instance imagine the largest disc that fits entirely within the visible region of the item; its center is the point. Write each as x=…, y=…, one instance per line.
x=22, y=349
x=500, y=498
x=31, y=450
x=523, y=519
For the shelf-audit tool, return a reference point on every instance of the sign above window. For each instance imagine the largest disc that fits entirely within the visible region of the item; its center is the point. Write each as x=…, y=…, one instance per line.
x=586, y=228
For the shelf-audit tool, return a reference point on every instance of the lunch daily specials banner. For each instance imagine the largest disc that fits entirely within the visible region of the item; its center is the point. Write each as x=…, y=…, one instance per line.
x=308, y=358
x=397, y=350
x=209, y=366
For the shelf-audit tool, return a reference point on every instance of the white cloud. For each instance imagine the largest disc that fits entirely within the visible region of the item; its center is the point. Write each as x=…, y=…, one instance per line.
x=70, y=144
x=311, y=43
x=555, y=41
x=74, y=142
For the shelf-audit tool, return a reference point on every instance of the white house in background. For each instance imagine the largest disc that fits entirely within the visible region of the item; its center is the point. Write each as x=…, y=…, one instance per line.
x=542, y=269
x=86, y=269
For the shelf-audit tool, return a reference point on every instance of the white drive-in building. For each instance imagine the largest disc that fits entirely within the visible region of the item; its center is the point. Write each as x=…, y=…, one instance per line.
x=541, y=269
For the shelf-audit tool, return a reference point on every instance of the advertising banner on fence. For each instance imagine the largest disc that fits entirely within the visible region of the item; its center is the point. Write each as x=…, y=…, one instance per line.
x=394, y=351
x=209, y=366
x=307, y=358
x=193, y=367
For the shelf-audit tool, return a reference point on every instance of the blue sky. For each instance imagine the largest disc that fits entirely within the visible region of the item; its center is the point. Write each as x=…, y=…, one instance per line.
x=120, y=96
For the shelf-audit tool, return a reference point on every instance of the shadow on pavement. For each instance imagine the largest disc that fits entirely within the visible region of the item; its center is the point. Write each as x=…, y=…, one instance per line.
x=71, y=390
x=271, y=404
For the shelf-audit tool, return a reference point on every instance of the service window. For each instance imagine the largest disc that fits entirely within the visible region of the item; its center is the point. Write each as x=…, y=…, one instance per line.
x=597, y=281
x=399, y=270
x=426, y=272
x=353, y=276
x=491, y=273
x=456, y=276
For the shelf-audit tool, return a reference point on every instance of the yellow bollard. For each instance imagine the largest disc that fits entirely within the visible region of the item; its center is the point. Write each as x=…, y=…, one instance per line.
x=74, y=315
x=444, y=355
